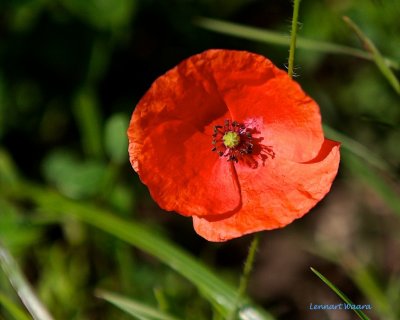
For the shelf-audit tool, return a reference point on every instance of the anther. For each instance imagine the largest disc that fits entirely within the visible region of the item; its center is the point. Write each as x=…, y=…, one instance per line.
x=232, y=141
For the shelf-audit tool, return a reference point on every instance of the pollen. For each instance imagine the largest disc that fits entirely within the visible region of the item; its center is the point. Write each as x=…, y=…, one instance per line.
x=231, y=139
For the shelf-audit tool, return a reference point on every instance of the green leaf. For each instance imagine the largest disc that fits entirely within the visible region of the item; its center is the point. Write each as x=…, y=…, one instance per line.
x=376, y=55
x=72, y=177
x=219, y=293
x=12, y=308
x=116, y=142
x=342, y=296
x=272, y=37
x=133, y=307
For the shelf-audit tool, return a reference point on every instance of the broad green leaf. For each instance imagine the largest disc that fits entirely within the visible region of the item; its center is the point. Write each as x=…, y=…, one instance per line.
x=376, y=55
x=272, y=37
x=219, y=293
x=74, y=178
x=342, y=296
x=133, y=307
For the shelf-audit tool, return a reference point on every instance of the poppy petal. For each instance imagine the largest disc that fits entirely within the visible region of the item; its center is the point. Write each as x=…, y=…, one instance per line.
x=187, y=93
x=185, y=176
x=278, y=172
x=254, y=86
x=275, y=194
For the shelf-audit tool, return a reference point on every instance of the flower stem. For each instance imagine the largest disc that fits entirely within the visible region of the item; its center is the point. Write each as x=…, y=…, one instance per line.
x=293, y=35
x=244, y=278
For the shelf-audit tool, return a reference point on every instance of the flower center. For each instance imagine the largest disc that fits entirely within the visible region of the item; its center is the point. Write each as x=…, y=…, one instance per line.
x=232, y=140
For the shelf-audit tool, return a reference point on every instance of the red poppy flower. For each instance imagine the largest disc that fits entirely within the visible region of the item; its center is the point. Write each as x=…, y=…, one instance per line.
x=229, y=139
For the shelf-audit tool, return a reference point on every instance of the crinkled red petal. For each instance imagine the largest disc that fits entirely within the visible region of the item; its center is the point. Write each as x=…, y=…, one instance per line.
x=187, y=93
x=253, y=88
x=171, y=131
x=182, y=174
x=274, y=194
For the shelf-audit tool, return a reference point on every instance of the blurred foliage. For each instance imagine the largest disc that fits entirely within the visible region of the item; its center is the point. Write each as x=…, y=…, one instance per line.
x=70, y=74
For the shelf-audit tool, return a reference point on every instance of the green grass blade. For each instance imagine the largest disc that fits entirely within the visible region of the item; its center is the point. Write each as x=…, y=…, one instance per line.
x=373, y=179
x=366, y=165
x=139, y=235
x=276, y=38
x=162, y=301
x=369, y=167
x=342, y=296
x=133, y=307
x=12, y=308
x=87, y=114
x=370, y=288
x=21, y=286
x=385, y=301
x=357, y=148
x=376, y=55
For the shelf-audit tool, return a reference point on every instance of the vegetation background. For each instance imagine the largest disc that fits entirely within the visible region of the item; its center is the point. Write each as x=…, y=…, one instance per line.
x=71, y=73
